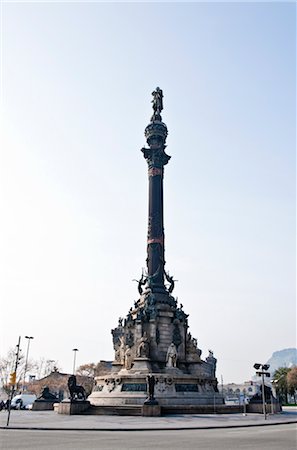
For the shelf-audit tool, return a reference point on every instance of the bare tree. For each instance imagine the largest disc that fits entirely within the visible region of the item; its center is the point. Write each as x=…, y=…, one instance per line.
x=87, y=370
x=7, y=365
x=92, y=370
x=43, y=367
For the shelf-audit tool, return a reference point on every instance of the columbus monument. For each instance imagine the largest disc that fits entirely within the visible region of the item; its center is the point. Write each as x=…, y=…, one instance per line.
x=153, y=341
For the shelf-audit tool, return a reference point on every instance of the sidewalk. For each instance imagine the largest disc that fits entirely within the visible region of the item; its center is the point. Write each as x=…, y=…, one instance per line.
x=49, y=420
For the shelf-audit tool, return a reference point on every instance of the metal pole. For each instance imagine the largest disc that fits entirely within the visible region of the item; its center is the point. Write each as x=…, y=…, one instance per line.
x=244, y=403
x=74, y=359
x=13, y=386
x=263, y=396
x=26, y=363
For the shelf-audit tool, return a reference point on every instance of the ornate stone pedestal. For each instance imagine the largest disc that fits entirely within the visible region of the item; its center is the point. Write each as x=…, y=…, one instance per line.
x=141, y=365
x=151, y=410
x=44, y=405
x=73, y=407
x=131, y=389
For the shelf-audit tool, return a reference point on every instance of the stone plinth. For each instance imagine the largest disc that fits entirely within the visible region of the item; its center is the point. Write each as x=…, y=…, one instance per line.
x=56, y=407
x=172, y=388
x=73, y=407
x=43, y=405
x=151, y=410
x=258, y=408
x=142, y=364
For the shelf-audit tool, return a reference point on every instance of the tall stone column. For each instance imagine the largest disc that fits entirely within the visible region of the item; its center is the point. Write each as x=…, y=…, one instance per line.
x=156, y=133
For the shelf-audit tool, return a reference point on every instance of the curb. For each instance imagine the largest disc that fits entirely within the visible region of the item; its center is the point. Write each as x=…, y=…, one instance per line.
x=210, y=427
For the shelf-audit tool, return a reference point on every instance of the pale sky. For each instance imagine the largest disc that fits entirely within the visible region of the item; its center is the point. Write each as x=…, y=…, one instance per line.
x=76, y=83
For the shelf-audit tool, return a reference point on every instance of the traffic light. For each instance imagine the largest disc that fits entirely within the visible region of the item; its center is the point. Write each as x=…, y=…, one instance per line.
x=12, y=378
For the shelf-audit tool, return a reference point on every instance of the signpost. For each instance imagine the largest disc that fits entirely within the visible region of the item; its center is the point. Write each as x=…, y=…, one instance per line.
x=262, y=373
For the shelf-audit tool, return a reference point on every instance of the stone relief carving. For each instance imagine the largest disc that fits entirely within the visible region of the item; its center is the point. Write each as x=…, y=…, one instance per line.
x=156, y=156
x=164, y=384
x=161, y=384
x=110, y=383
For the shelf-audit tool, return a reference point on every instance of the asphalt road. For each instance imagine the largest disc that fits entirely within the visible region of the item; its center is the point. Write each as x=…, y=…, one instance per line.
x=274, y=437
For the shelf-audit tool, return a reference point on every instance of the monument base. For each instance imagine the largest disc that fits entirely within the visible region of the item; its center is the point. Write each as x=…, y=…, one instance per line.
x=258, y=408
x=44, y=405
x=73, y=407
x=151, y=410
x=172, y=389
x=141, y=365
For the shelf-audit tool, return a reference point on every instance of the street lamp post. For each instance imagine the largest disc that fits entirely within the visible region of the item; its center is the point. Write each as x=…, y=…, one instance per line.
x=262, y=371
x=75, y=350
x=26, y=362
x=244, y=402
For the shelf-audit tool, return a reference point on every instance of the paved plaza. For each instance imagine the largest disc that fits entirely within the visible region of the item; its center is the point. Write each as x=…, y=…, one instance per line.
x=275, y=437
x=47, y=430
x=51, y=420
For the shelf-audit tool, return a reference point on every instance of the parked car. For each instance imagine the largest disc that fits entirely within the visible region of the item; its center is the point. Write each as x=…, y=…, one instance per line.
x=22, y=401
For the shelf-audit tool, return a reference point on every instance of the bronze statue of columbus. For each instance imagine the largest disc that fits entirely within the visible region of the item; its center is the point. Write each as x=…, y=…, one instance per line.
x=157, y=104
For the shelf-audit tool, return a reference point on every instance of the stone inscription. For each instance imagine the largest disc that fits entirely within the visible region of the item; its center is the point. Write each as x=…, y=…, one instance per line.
x=134, y=387
x=186, y=387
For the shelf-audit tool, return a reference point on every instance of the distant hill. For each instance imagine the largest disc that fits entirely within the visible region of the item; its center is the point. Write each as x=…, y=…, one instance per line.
x=283, y=358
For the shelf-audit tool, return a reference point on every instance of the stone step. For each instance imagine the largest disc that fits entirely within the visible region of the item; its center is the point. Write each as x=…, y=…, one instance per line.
x=129, y=410
x=201, y=409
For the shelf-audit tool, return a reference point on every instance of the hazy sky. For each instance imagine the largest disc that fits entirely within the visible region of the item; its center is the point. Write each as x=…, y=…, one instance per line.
x=76, y=82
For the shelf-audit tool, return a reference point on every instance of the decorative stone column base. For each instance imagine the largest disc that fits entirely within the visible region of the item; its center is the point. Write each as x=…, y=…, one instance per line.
x=151, y=410
x=74, y=407
x=141, y=364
